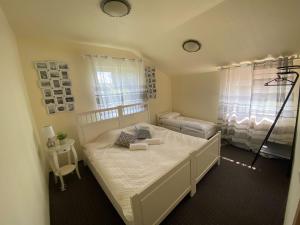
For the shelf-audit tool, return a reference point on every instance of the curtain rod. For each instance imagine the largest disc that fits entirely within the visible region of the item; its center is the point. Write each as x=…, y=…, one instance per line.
x=106, y=56
x=269, y=58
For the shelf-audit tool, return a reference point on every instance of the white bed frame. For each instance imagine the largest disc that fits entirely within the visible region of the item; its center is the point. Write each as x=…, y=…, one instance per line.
x=181, y=129
x=157, y=200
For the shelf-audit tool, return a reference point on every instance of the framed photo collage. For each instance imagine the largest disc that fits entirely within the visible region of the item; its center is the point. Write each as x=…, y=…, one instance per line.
x=56, y=86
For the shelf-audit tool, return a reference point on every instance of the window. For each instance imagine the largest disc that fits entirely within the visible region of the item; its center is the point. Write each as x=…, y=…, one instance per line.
x=119, y=82
x=248, y=108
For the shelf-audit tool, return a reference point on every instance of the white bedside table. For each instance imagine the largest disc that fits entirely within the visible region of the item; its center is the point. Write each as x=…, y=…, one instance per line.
x=58, y=171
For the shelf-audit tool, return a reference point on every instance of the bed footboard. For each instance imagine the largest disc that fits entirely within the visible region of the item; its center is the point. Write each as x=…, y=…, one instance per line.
x=153, y=204
x=204, y=159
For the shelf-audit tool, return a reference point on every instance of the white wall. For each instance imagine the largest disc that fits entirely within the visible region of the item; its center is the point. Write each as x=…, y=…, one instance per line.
x=23, y=185
x=294, y=191
x=196, y=95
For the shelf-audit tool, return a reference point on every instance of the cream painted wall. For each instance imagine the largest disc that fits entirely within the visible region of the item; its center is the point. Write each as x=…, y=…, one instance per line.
x=71, y=53
x=294, y=191
x=24, y=187
x=163, y=102
x=196, y=95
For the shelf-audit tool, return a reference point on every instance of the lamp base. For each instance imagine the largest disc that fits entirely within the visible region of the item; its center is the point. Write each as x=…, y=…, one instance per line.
x=51, y=142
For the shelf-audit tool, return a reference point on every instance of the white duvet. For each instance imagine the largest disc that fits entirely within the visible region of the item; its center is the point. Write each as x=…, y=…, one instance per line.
x=189, y=122
x=206, y=128
x=128, y=172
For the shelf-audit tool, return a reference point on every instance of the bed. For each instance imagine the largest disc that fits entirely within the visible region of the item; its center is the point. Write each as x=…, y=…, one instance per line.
x=144, y=186
x=187, y=125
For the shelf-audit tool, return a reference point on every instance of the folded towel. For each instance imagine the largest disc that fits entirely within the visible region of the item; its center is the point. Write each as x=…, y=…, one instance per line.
x=138, y=146
x=154, y=141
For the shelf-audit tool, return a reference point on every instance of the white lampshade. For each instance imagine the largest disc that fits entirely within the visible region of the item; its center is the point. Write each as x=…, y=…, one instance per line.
x=48, y=132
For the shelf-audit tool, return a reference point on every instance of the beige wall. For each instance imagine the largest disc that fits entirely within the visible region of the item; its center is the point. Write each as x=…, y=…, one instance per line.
x=24, y=187
x=294, y=191
x=196, y=95
x=72, y=53
x=163, y=102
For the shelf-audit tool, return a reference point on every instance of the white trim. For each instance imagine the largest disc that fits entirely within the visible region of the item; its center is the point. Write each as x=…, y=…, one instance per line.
x=90, y=124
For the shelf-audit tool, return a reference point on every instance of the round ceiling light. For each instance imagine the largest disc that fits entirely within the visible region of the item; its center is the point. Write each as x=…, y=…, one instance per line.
x=115, y=8
x=191, y=45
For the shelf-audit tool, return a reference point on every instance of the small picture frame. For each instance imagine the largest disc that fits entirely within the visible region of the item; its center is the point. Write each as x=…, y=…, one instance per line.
x=51, y=108
x=59, y=100
x=54, y=74
x=69, y=99
x=57, y=91
x=48, y=101
x=66, y=83
x=70, y=106
x=41, y=65
x=55, y=83
x=45, y=83
x=47, y=92
x=60, y=108
x=43, y=74
x=64, y=74
x=63, y=66
x=67, y=91
x=52, y=65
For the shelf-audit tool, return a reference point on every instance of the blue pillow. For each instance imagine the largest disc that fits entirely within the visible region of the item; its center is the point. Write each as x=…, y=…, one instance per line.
x=125, y=139
x=143, y=133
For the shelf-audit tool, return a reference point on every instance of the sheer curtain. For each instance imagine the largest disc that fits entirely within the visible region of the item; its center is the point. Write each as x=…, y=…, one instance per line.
x=118, y=81
x=248, y=108
x=235, y=104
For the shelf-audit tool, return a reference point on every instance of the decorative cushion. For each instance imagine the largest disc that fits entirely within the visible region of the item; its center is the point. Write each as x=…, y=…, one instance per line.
x=125, y=139
x=143, y=133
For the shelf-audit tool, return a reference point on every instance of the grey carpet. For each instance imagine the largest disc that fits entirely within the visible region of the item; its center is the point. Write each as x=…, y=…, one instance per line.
x=231, y=194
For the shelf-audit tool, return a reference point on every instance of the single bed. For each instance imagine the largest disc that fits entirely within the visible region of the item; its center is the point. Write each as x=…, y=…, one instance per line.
x=144, y=186
x=187, y=125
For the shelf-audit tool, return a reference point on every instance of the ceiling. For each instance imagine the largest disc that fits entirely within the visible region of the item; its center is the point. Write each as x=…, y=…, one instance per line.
x=229, y=30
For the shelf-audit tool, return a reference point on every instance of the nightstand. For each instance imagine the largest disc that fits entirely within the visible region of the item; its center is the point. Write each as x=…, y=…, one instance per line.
x=55, y=152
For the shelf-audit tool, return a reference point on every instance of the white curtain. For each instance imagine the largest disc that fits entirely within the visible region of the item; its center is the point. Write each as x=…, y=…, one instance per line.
x=118, y=81
x=235, y=104
x=248, y=108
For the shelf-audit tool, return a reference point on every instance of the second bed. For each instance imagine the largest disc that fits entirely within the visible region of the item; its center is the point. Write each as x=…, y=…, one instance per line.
x=187, y=125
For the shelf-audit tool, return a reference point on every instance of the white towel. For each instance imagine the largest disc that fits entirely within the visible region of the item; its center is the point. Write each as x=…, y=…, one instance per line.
x=138, y=146
x=154, y=141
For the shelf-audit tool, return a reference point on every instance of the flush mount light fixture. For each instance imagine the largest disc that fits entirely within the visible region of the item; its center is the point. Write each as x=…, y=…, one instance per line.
x=115, y=8
x=191, y=45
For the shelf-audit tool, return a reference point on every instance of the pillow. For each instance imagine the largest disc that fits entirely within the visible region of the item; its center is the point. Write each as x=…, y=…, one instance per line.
x=125, y=139
x=170, y=115
x=108, y=138
x=143, y=133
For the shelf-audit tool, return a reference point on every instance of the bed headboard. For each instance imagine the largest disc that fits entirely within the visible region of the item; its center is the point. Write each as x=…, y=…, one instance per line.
x=158, y=115
x=93, y=123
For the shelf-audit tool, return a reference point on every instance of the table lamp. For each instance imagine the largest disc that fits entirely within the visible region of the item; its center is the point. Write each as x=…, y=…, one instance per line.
x=49, y=135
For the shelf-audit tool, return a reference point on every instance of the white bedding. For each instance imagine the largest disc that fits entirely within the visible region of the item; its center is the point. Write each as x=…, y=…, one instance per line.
x=205, y=128
x=128, y=172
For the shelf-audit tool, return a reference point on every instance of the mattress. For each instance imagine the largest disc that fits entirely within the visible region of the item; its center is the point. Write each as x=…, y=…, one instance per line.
x=191, y=126
x=127, y=173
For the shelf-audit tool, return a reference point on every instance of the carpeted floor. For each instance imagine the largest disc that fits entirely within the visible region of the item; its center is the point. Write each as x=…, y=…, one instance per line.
x=231, y=194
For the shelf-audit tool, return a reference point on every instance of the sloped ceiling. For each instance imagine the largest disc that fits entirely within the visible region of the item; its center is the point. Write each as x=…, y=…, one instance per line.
x=229, y=30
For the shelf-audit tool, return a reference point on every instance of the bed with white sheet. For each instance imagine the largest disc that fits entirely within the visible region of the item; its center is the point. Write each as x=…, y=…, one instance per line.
x=187, y=125
x=144, y=186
